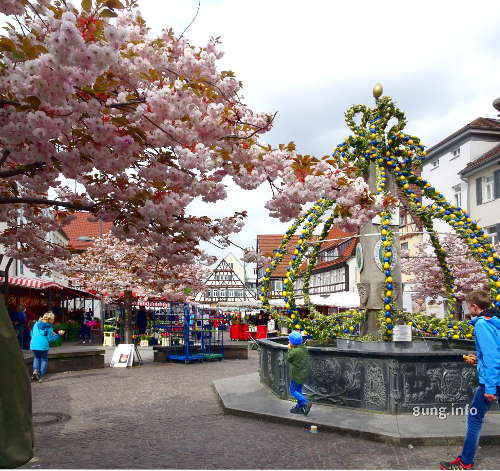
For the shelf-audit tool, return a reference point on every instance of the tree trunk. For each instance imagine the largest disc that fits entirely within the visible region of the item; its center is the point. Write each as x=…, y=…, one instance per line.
x=127, y=304
x=16, y=427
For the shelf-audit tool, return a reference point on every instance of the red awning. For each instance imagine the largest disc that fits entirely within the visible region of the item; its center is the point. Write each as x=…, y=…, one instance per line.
x=35, y=283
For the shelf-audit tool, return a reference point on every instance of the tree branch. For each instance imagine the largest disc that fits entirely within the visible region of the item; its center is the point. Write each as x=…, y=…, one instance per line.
x=161, y=129
x=257, y=129
x=127, y=103
x=9, y=102
x=5, y=155
x=23, y=169
x=46, y=202
x=192, y=21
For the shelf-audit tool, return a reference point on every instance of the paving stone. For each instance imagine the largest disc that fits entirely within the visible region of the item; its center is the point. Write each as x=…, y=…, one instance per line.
x=167, y=415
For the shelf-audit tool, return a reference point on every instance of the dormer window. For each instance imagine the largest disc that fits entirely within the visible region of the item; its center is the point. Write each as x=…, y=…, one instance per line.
x=455, y=153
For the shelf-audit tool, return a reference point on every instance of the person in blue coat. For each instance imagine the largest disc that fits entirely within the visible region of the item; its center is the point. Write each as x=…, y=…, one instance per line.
x=18, y=318
x=41, y=335
x=486, y=322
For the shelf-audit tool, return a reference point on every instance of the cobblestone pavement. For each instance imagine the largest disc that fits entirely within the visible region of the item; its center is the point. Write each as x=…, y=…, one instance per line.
x=168, y=416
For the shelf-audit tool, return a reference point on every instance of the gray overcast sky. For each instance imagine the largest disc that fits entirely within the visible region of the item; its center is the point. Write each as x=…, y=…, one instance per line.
x=440, y=60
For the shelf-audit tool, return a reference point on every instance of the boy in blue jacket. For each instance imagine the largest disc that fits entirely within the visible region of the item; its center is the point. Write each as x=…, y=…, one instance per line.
x=486, y=322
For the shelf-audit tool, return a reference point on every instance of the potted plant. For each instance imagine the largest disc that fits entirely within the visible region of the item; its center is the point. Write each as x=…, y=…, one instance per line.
x=144, y=340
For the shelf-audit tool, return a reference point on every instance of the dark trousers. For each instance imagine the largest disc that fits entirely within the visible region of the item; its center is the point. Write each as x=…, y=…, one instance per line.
x=84, y=332
x=20, y=334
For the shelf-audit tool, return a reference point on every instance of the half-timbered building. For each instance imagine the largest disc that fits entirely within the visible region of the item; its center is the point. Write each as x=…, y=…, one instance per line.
x=227, y=283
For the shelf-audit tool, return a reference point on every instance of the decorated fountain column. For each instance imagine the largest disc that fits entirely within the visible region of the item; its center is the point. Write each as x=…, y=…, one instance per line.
x=380, y=273
x=372, y=286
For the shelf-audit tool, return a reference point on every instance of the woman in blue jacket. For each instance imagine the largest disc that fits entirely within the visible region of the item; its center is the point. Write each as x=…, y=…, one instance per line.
x=41, y=335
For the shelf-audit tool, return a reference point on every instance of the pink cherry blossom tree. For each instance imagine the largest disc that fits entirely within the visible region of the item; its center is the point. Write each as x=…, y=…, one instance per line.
x=427, y=277
x=116, y=269
x=98, y=115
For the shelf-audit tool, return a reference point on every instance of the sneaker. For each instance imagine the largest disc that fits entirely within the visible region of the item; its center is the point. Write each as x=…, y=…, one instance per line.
x=40, y=380
x=306, y=408
x=455, y=464
x=296, y=410
x=34, y=376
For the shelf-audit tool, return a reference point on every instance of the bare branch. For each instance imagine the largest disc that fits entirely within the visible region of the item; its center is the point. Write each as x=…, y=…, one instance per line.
x=23, y=169
x=192, y=21
x=47, y=202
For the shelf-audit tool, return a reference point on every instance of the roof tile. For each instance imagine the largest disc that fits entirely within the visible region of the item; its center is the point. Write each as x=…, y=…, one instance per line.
x=267, y=243
x=84, y=226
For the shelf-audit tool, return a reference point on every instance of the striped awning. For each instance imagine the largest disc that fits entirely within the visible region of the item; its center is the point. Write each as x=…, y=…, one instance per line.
x=152, y=304
x=35, y=283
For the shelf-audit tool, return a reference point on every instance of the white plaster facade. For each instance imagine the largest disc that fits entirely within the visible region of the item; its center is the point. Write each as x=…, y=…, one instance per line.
x=448, y=158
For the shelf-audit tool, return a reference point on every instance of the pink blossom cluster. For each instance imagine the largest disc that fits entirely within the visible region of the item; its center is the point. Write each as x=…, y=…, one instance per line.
x=426, y=274
x=11, y=7
x=111, y=266
x=144, y=125
x=324, y=182
x=252, y=256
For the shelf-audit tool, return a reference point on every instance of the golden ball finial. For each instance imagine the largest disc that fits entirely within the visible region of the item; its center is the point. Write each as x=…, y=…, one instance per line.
x=378, y=90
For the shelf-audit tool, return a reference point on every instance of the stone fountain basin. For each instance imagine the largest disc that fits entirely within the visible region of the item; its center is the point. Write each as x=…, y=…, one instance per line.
x=391, y=377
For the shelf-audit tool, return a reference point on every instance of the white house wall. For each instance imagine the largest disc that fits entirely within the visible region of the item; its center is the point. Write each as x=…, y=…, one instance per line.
x=488, y=214
x=446, y=176
x=480, y=147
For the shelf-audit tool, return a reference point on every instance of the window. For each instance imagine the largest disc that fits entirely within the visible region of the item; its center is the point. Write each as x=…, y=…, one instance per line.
x=491, y=233
x=404, y=246
x=455, y=153
x=21, y=268
x=457, y=195
x=434, y=164
x=328, y=255
x=276, y=285
x=402, y=219
x=488, y=185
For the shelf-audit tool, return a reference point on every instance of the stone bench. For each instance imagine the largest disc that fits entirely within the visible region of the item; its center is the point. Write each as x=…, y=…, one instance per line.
x=70, y=360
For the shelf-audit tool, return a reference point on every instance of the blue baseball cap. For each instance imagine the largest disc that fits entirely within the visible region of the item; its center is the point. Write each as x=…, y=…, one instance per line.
x=295, y=338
